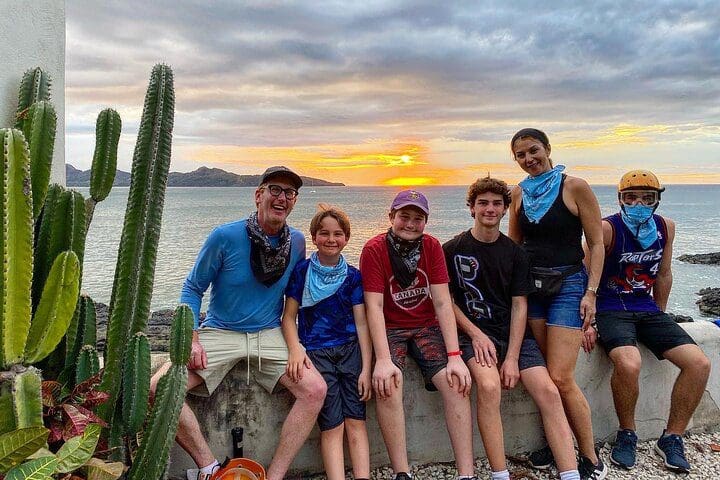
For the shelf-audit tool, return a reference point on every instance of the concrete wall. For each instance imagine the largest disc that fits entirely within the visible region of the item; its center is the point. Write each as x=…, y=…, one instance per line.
x=32, y=34
x=235, y=404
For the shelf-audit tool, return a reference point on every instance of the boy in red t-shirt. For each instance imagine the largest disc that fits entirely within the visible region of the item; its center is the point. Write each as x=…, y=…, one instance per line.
x=409, y=312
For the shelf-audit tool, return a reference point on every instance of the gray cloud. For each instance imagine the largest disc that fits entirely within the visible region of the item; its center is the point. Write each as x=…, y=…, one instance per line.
x=277, y=73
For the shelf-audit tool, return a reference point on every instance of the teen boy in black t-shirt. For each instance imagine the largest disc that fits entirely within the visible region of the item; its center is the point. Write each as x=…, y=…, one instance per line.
x=489, y=283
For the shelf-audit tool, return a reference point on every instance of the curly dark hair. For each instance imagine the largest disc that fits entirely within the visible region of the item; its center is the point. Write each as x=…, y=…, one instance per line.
x=488, y=184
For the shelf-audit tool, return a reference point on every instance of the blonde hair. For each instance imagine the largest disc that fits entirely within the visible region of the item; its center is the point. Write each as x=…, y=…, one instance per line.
x=325, y=210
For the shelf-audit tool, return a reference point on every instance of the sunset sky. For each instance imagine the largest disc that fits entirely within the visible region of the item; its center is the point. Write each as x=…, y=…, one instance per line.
x=407, y=93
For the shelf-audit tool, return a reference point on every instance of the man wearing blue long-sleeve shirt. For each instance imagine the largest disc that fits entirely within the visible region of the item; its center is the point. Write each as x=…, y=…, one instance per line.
x=247, y=264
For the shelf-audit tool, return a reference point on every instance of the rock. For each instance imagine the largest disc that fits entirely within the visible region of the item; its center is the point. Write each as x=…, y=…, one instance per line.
x=681, y=318
x=158, y=329
x=709, y=302
x=701, y=258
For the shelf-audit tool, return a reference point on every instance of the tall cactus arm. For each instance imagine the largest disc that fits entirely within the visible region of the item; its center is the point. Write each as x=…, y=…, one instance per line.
x=152, y=457
x=56, y=307
x=34, y=87
x=181, y=335
x=16, y=243
x=82, y=331
x=136, y=383
x=135, y=270
x=104, y=166
x=88, y=364
x=39, y=130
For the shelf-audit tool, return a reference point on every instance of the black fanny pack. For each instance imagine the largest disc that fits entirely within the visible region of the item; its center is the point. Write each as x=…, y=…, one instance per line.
x=548, y=281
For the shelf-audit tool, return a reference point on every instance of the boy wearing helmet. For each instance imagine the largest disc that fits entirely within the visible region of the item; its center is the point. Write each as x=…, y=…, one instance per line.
x=631, y=301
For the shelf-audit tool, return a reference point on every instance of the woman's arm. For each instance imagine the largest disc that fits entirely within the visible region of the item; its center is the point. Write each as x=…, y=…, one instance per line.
x=514, y=231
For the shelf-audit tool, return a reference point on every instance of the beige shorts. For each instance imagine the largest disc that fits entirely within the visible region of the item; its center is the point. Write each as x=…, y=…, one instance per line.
x=265, y=351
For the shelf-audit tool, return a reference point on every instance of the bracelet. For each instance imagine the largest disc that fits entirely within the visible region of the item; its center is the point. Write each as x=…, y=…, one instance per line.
x=456, y=353
x=592, y=289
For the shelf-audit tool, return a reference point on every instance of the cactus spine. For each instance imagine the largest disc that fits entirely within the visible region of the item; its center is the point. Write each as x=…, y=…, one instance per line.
x=134, y=273
x=136, y=383
x=16, y=246
x=39, y=130
x=151, y=459
x=34, y=87
x=104, y=165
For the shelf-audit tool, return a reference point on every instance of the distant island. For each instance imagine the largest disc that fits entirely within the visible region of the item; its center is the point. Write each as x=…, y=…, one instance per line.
x=202, y=177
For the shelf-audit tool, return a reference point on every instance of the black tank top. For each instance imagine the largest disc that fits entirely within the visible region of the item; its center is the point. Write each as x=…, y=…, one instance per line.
x=556, y=239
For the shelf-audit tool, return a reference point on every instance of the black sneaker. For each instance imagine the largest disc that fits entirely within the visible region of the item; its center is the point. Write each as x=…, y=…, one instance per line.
x=403, y=476
x=541, y=459
x=590, y=471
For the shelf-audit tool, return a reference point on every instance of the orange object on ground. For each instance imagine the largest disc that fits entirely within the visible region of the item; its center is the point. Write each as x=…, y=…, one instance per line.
x=239, y=469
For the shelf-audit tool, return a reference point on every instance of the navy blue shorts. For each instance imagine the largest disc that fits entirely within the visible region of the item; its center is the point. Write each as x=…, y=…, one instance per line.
x=562, y=310
x=656, y=330
x=340, y=367
x=530, y=354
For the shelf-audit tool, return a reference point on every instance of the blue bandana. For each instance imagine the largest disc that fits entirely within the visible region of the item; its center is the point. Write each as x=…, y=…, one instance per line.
x=539, y=193
x=638, y=218
x=322, y=282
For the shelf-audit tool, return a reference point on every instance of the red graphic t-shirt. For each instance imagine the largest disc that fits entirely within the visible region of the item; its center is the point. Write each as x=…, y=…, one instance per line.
x=404, y=308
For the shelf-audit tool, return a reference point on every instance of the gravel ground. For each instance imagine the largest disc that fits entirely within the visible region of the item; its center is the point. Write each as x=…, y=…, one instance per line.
x=705, y=464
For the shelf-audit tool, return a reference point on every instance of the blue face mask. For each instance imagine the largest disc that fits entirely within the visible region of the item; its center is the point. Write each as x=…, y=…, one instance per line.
x=638, y=218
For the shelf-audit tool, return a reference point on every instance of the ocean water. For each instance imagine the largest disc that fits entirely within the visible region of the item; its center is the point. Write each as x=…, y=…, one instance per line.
x=191, y=213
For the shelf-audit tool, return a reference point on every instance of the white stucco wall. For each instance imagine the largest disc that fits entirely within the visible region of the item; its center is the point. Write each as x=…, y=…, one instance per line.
x=32, y=34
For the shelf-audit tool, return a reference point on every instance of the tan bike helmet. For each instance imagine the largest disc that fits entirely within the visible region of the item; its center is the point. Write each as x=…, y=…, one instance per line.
x=638, y=180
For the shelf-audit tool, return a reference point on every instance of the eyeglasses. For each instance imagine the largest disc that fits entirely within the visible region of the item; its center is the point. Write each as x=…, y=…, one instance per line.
x=649, y=198
x=276, y=190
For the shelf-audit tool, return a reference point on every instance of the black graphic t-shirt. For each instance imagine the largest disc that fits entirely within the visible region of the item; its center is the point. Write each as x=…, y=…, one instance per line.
x=483, y=279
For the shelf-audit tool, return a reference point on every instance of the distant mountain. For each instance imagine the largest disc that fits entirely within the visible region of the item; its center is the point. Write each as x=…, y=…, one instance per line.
x=202, y=177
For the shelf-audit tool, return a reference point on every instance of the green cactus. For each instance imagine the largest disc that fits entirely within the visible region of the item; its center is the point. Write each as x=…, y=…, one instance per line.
x=16, y=245
x=34, y=87
x=20, y=398
x=61, y=227
x=82, y=331
x=88, y=364
x=56, y=307
x=134, y=273
x=39, y=129
x=151, y=459
x=104, y=165
x=136, y=383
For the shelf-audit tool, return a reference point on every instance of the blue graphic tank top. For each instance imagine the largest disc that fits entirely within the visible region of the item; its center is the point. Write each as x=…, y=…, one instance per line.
x=630, y=271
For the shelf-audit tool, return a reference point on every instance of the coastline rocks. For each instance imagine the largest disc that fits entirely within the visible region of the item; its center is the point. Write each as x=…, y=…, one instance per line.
x=701, y=258
x=709, y=301
x=158, y=329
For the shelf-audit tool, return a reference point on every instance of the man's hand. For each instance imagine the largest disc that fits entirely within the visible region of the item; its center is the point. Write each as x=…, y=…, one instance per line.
x=484, y=348
x=198, y=357
x=386, y=378
x=456, y=367
x=589, y=339
x=587, y=309
x=509, y=374
x=364, y=386
x=297, y=362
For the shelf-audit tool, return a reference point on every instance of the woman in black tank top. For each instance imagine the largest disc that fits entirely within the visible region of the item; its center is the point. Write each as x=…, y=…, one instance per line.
x=560, y=209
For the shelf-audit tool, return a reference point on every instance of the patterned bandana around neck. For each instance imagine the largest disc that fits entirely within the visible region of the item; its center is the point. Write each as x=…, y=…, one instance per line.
x=322, y=282
x=404, y=258
x=639, y=220
x=539, y=193
x=268, y=263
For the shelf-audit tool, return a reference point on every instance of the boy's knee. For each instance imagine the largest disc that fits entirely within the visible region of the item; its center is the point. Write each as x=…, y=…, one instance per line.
x=628, y=367
x=565, y=383
x=488, y=390
x=548, y=395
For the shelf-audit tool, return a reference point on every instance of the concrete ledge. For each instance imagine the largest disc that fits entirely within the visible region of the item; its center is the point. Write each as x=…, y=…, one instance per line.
x=261, y=415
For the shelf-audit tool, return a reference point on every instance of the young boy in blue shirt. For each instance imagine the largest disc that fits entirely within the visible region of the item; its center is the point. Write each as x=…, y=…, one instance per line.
x=331, y=333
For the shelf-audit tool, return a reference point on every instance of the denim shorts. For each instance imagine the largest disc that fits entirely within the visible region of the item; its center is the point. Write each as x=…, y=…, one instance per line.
x=562, y=310
x=340, y=367
x=530, y=354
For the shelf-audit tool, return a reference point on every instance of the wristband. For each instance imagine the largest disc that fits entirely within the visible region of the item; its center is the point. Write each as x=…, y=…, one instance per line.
x=592, y=289
x=456, y=353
